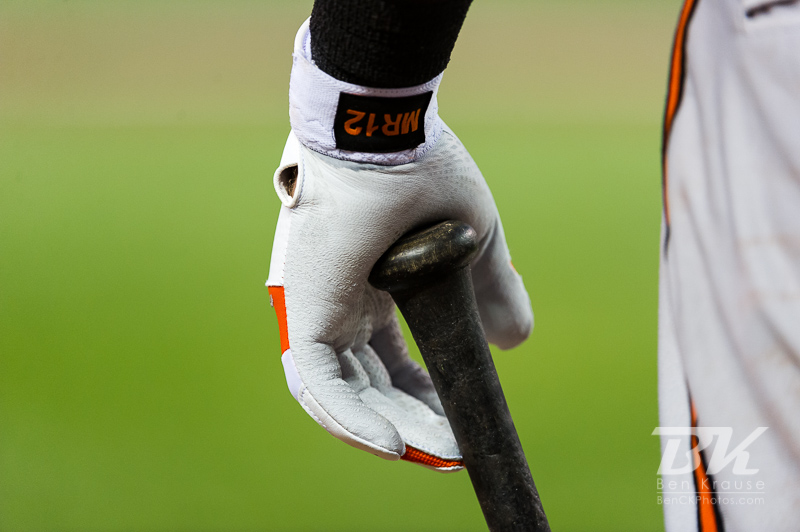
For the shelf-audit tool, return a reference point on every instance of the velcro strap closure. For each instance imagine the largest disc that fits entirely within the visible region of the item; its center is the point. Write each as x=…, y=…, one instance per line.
x=357, y=123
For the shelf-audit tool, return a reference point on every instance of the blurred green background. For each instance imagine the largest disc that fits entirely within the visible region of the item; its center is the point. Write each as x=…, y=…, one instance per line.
x=140, y=378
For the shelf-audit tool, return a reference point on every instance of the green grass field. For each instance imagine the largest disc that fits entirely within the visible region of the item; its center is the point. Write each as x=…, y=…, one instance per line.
x=140, y=378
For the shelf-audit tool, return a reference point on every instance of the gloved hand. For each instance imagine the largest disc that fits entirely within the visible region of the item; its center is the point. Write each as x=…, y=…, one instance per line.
x=344, y=356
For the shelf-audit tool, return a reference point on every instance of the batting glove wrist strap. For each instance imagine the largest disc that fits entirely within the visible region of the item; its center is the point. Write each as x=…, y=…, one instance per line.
x=356, y=123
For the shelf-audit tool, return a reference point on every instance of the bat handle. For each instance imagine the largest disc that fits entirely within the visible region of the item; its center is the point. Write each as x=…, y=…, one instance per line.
x=427, y=275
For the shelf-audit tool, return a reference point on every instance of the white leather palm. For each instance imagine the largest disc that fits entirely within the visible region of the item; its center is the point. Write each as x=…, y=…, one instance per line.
x=345, y=359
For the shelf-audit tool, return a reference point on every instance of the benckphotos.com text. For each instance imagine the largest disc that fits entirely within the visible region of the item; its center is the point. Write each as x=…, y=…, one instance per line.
x=739, y=500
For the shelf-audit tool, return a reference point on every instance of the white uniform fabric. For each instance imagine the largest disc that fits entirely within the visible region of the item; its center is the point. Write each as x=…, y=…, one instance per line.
x=730, y=276
x=313, y=99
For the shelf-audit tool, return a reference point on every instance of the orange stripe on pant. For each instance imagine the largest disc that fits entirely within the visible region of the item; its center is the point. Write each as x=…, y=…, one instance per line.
x=706, y=512
x=675, y=88
x=279, y=304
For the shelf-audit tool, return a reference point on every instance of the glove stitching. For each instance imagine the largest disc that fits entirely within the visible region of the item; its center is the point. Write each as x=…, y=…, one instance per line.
x=300, y=182
x=302, y=401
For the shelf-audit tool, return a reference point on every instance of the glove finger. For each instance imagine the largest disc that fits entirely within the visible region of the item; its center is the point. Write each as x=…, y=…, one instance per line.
x=312, y=368
x=338, y=408
x=427, y=435
x=503, y=302
x=405, y=373
x=330, y=386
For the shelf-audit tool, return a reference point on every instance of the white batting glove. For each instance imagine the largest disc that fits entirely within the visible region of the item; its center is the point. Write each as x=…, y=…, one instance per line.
x=345, y=202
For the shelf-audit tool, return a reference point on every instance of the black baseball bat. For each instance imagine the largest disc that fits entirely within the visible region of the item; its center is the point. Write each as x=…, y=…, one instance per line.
x=427, y=274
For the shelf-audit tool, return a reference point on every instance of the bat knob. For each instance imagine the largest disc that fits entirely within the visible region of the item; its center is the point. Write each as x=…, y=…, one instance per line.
x=424, y=256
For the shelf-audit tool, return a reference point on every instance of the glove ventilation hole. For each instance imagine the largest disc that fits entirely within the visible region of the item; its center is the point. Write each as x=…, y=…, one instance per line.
x=288, y=179
x=288, y=184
